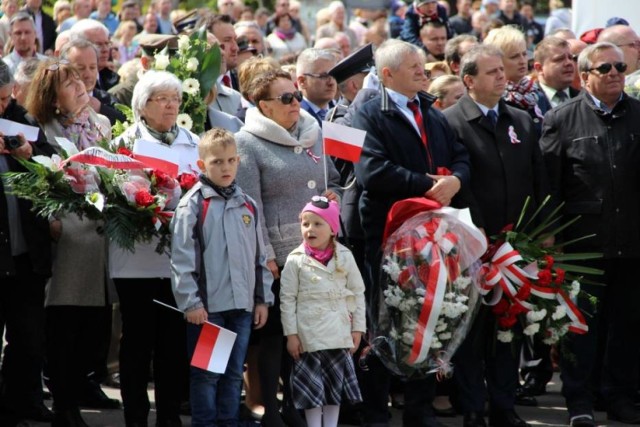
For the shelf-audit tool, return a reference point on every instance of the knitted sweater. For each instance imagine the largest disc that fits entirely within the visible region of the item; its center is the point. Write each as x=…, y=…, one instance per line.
x=281, y=171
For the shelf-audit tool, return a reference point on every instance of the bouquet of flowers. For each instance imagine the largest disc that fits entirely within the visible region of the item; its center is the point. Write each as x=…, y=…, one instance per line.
x=197, y=64
x=133, y=202
x=522, y=278
x=429, y=301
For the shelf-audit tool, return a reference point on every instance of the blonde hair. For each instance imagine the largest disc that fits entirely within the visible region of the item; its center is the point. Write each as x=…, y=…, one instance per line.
x=437, y=66
x=505, y=37
x=441, y=85
x=214, y=139
x=251, y=68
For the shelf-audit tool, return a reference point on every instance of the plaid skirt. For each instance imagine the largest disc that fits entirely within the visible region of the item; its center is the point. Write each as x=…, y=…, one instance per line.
x=325, y=377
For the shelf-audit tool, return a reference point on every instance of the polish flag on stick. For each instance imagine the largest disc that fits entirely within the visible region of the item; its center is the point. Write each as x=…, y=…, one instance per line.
x=213, y=348
x=156, y=156
x=342, y=141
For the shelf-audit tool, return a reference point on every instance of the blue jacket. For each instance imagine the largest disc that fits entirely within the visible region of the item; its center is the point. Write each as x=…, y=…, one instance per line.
x=411, y=29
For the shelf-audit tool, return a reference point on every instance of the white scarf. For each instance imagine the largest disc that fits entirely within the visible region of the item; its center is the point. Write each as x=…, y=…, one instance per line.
x=305, y=133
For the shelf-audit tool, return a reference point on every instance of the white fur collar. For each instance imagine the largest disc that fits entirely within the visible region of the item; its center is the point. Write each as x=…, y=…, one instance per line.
x=305, y=133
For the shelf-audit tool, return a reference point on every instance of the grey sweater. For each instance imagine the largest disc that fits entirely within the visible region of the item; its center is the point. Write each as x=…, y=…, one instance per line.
x=281, y=171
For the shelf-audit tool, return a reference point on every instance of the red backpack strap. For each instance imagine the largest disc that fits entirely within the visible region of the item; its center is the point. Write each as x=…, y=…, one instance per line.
x=205, y=208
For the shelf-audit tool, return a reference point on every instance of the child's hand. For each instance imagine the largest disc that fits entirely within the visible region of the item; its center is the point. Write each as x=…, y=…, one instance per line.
x=356, y=336
x=294, y=347
x=329, y=194
x=260, y=315
x=197, y=316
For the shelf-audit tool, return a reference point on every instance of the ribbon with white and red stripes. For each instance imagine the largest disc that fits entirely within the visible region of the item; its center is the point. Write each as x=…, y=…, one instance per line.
x=98, y=156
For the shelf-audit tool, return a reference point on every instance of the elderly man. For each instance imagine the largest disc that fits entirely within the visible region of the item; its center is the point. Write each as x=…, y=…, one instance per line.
x=627, y=40
x=23, y=37
x=455, y=49
x=98, y=34
x=505, y=176
x=251, y=31
x=317, y=85
x=590, y=147
x=406, y=142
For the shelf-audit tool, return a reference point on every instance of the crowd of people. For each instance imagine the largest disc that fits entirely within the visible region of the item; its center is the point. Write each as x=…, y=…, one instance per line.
x=282, y=244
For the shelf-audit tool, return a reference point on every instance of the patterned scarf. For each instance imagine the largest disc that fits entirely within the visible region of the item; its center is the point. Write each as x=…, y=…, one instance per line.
x=226, y=192
x=522, y=94
x=79, y=129
x=165, y=137
x=321, y=255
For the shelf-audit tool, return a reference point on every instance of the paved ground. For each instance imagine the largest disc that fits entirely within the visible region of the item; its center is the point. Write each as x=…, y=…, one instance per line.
x=550, y=412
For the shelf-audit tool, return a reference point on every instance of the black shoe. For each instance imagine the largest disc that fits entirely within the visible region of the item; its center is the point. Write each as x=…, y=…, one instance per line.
x=449, y=412
x=474, y=419
x=95, y=398
x=625, y=413
x=585, y=420
x=68, y=418
x=506, y=418
x=523, y=398
x=37, y=412
x=534, y=387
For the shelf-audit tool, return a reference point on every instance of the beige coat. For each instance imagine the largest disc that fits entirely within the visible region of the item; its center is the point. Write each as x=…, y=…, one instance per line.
x=322, y=304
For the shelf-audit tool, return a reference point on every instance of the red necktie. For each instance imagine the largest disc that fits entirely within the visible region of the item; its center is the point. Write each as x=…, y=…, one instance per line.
x=226, y=80
x=417, y=115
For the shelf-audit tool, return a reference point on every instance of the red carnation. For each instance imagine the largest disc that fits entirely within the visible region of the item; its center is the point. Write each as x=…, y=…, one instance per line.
x=144, y=198
x=544, y=278
x=524, y=292
x=162, y=179
x=559, y=276
x=125, y=151
x=548, y=260
x=516, y=309
x=507, y=322
x=187, y=180
x=501, y=307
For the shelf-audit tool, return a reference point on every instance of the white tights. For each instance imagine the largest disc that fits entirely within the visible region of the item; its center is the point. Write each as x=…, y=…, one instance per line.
x=325, y=416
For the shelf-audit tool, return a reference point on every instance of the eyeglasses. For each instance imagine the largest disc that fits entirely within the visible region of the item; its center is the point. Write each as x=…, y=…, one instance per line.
x=165, y=100
x=287, y=97
x=634, y=44
x=605, y=68
x=55, y=66
x=324, y=76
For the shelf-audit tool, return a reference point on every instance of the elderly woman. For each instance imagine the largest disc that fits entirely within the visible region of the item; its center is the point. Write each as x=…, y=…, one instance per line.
x=77, y=296
x=281, y=167
x=522, y=91
x=151, y=333
x=285, y=41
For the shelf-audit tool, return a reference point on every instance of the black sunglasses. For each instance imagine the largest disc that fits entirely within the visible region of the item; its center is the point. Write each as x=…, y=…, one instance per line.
x=605, y=68
x=287, y=97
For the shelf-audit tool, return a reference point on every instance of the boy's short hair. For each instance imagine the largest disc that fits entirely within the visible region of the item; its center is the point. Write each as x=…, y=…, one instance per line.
x=213, y=139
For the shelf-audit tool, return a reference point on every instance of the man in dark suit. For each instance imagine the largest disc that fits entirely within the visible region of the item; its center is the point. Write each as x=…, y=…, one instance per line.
x=507, y=167
x=406, y=142
x=314, y=81
x=45, y=26
x=591, y=149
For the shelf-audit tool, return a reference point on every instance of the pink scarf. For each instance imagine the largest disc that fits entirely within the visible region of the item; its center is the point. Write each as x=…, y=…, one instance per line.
x=321, y=255
x=285, y=35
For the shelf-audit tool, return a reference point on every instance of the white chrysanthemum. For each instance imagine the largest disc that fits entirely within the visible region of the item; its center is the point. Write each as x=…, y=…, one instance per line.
x=444, y=336
x=462, y=298
x=462, y=282
x=191, y=86
x=441, y=327
x=559, y=313
x=421, y=292
x=161, y=61
x=532, y=329
x=505, y=336
x=192, y=64
x=392, y=269
x=536, y=316
x=450, y=295
x=435, y=344
x=575, y=285
x=183, y=43
x=96, y=200
x=184, y=121
x=407, y=304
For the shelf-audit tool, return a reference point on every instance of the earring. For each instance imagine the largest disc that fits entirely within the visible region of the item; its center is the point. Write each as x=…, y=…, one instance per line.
x=57, y=111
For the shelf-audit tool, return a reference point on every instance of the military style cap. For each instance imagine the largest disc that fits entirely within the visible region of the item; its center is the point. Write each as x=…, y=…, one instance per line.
x=244, y=46
x=359, y=61
x=186, y=22
x=153, y=43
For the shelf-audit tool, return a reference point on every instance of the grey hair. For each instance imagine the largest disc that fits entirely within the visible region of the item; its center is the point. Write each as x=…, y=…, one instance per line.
x=22, y=17
x=26, y=70
x=247, y=24
x=469, y=62
x=308, y=57
x=79, y=42
x=6, y=76
x=84, y=25
x=392, y=53
x=585, y=59
x=152, y=81
x=452, y=48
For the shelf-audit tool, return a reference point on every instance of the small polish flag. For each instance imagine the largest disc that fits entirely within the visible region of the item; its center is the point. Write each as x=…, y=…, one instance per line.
x=342, y=141
x=157, y=156
x=213, y=348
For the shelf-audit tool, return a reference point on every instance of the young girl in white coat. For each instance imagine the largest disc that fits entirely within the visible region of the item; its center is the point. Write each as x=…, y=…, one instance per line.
x=323, y=316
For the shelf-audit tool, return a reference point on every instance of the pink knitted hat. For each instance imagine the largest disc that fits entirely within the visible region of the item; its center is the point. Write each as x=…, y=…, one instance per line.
x=327, y=210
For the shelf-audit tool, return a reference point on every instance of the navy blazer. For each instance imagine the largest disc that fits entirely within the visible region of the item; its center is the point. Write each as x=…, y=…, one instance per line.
x=394, y=161
x=304, y=104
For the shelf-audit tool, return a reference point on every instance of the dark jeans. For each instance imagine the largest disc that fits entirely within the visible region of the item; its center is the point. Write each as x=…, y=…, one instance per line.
x=151, y=333
x=71, y=342
x=215, y=398
x=22, y=307
x=612, y=336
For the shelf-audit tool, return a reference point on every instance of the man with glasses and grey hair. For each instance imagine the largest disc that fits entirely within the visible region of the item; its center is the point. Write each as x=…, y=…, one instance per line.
x=315, y=82
x=591, y=147
x=22, y=30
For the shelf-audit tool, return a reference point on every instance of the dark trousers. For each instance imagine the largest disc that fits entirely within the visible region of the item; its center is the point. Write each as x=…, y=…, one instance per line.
x=613, y=330
x=154, y=334
x=22, y=307
x=71, y=341
x=482, y=357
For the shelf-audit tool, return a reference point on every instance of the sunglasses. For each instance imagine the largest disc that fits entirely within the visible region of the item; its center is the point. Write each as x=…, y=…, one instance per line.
x=605, y=68
x=287, y=97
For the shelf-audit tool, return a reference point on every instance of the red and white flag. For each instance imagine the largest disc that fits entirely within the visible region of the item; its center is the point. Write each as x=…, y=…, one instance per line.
x=213, y=348
x=342, y=141
x=156, y=156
